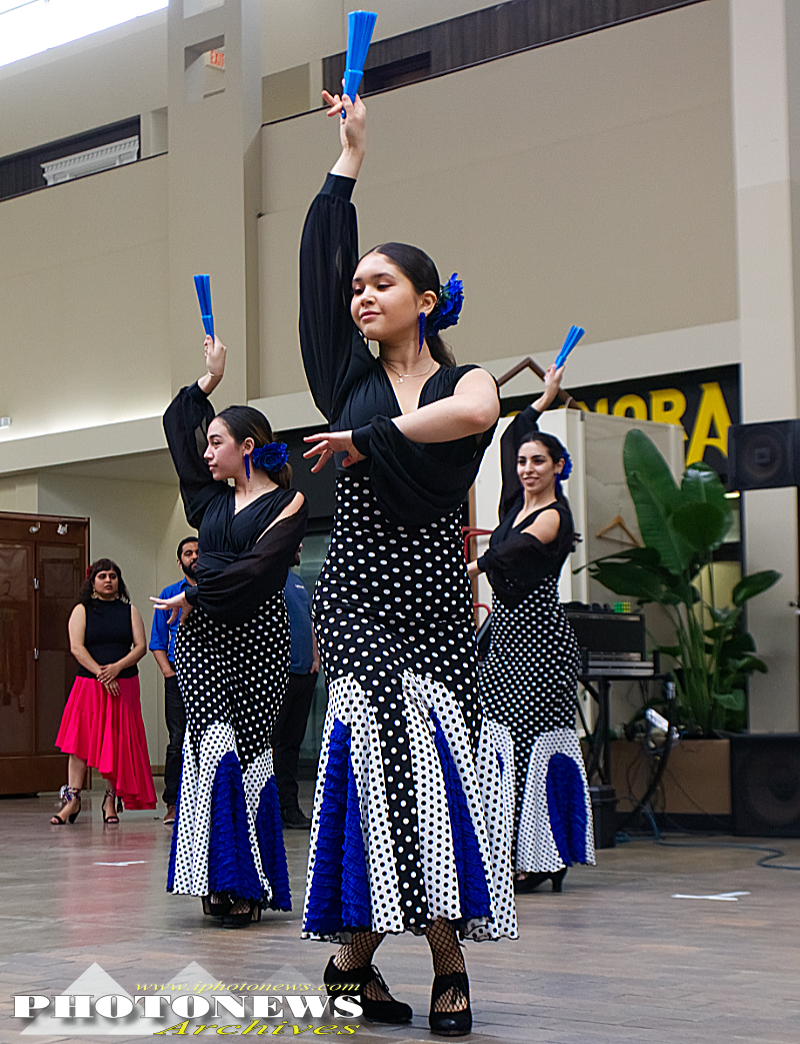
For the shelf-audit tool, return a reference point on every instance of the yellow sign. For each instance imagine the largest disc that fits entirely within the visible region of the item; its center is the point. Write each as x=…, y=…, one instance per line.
x=708, y=427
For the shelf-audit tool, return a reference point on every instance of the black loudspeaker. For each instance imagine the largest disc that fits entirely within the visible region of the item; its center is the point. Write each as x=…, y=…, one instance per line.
x=765, y=785
x=764, y=456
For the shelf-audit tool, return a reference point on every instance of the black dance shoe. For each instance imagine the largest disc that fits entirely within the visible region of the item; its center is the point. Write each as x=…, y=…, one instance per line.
x=450, y=1023
x=67, y=795
x=112, y=818
x=242, y=917
x=522, y=886
x=392, y=1012
x=293, y=818
x=218, y=904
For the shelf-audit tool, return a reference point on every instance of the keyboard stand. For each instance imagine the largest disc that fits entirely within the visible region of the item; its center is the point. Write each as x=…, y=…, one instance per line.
x=597, y=681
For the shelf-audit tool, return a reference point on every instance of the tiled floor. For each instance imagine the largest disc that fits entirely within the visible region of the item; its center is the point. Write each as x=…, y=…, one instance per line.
x=614, y=958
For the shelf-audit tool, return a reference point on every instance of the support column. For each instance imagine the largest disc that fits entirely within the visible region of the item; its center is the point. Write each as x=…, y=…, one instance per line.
x=215, y=184
x=764, y=52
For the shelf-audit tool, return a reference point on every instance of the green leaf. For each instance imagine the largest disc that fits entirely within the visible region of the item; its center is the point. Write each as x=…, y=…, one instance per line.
x=624, y=578
x=701, y=485
x=724, y=616
x=644, y=556
x=730, y=700
x=754, y=584
x=748, y=664
x=669, y=650
x=703, y=526
x=655, y=497
x=738, y=643
x=716, y=632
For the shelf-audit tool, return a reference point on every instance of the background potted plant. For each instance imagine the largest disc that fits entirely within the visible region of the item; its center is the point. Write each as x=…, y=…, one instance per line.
x=681, y=526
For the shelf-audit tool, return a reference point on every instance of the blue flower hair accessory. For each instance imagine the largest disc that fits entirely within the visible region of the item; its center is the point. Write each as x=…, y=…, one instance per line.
x=271, y=457
x=448, y=307
x=566, y=471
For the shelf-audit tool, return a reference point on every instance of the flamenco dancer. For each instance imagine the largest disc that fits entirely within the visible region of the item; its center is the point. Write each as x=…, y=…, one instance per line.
x=529, y=678
x=232, y=650
x=410, y=785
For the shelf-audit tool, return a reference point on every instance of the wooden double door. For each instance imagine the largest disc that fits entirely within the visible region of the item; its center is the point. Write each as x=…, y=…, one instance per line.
x=43, y=562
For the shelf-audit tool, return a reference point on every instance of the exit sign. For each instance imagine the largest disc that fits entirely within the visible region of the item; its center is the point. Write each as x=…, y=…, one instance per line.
x=217, y=59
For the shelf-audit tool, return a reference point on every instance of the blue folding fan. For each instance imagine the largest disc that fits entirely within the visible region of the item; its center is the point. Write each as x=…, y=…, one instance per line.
x=574, y=335
x=202, y=284
x=360, y=25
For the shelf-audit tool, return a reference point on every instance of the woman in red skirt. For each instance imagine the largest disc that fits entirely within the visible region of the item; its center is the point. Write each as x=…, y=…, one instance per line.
x=102, y=723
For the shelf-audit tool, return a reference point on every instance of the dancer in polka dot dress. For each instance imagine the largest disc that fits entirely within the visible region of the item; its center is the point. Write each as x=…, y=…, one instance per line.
x=529, y=678
x=232, y=652
x=413, y=806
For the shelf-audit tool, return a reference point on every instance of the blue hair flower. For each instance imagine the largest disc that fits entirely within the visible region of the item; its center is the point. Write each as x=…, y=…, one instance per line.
x=271, y=457
x=448, y=307
x=566, y=471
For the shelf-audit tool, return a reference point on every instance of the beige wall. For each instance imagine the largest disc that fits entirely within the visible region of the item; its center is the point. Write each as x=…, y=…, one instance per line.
x=103, y=78
x=583, y=182
x=83, y=295
x=122, y=71
x=298, y=31
x=19, y=493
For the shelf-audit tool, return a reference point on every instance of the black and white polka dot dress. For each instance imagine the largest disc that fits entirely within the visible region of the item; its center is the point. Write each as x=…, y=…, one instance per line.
x=528, y=681
x=232, y=661
x=408, y=757
x=233, y=680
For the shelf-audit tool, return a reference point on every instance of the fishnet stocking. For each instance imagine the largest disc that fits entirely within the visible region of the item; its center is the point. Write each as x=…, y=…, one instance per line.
x=447, y=959
x=358, y=954
x=241, y=906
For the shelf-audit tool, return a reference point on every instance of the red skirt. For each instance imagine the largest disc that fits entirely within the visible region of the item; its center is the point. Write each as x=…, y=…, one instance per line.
x=107, y=732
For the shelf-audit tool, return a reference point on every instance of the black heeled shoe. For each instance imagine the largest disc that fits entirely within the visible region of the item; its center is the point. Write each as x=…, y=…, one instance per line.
x=245, y=917
x=522, y=886
x=450, y=1023
x=67, y=795
x=392, y=1012
x=116, y=806
x=220, y=908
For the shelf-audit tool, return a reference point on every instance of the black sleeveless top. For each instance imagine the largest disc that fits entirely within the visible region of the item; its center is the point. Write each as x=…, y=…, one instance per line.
x=241, y=562
x=515, y=562
x=109, y=635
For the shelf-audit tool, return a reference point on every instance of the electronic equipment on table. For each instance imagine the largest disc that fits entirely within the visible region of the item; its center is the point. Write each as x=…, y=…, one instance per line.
x=613, y=643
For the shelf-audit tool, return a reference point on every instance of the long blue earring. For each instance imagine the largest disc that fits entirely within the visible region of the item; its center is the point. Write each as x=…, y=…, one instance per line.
x=422, y=320
x=247, y=465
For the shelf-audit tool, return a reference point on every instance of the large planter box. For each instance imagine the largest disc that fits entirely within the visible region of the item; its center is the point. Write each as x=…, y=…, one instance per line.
x=697, y=781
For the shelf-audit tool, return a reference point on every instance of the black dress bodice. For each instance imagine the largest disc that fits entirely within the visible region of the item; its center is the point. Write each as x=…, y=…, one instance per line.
x=241, y=561
x=516, y=562
x=414, y=483
x=109, y=635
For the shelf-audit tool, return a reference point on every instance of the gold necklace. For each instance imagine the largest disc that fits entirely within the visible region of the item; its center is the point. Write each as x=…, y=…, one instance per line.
x=400, y=376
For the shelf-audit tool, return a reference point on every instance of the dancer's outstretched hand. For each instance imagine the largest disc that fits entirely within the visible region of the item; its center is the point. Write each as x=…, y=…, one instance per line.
x=353, y=129
x=552, y=383
x=330, y=442
x=216, y=353
x=175, y=606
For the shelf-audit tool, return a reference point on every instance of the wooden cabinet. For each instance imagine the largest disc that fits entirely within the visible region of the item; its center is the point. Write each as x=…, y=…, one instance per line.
x=43, y=560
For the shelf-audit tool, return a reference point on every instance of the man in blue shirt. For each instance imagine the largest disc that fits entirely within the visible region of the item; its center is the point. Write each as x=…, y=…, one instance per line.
x=162, y=646
x=290, y=725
